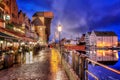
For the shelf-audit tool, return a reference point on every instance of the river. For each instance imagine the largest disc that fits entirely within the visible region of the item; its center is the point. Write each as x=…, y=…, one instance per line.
x=100, y=72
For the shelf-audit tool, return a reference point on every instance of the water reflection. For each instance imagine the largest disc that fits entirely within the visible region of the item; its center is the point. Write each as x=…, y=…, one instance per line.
x=103, y=55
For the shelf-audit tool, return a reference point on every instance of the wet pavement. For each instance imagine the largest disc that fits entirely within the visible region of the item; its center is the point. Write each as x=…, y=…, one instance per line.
x=43, y=66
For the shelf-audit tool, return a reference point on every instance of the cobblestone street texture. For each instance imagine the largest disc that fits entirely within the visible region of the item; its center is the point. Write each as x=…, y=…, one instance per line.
x=44, y=66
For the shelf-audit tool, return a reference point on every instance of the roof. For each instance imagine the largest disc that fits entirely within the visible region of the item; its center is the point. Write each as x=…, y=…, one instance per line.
x=43, y=14
x=88, y=33
x=37, y=22
x=82, y=38
x=105, y=33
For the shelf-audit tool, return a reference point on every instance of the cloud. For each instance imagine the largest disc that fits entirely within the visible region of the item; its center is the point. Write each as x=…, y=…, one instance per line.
x=71, y=14
x=80, y=16
x=106, y=21
x=77, y=16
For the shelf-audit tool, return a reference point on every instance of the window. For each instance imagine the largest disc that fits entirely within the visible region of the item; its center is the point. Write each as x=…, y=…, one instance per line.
x=14, y=8
x=41, y=29
x=7, y=2
x=1, y=15
x=13, y=15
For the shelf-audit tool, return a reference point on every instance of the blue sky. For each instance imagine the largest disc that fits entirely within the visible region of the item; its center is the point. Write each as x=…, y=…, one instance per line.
x=77, y=16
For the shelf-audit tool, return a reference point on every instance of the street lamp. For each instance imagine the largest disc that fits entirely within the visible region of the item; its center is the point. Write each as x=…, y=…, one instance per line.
x=59, y=30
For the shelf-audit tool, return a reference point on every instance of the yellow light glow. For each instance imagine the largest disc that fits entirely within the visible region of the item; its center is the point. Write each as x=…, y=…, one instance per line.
x=59, y=28
x=104, y=44
x=116, y=55
x=103, y=53
x=30, y=42
x=8, y=44
x=22, y=43
x=54, y=61
x=1, y=42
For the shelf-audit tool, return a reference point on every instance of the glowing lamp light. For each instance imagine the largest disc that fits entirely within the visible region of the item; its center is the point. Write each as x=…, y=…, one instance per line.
x=30, y=42
x=23, y=24
x=22, y=43
x=1, y=42
x=59, y=28
x=10, y=44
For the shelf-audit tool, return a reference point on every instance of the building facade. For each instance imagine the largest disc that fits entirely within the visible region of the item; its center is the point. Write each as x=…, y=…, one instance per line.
x=101, y=39
x=14, y=21
x=13, y=10
x=82, y=40
x=4, y=13
x=41, y=22
x=2, y=21
x=97, y=42
x=9, y=13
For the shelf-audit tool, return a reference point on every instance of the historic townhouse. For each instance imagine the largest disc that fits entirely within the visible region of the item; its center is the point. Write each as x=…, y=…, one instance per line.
x=101, y=39
x=97, y=41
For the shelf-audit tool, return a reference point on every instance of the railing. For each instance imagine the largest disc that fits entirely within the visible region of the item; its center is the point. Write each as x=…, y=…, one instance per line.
x=88, y=69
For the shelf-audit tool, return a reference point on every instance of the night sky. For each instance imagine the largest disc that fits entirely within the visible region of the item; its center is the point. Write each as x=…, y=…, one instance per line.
x=77, y=16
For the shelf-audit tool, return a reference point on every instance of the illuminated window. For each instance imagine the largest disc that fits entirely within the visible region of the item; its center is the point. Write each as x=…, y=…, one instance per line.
x=41, y=29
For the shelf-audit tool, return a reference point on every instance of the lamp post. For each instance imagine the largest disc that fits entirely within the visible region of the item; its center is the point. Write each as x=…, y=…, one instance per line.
x=59, y=30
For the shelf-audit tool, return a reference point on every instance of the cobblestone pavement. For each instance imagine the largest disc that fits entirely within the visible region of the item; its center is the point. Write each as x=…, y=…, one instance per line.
x=44, y=66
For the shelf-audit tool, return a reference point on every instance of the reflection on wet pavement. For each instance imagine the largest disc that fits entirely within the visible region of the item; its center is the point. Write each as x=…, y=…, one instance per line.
x=29, y=58
x=55, y=68
x=43, y=66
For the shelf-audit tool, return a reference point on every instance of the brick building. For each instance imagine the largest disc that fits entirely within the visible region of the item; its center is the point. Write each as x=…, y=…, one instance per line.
x=41, y=22
x=13, y=10
x=21, y=17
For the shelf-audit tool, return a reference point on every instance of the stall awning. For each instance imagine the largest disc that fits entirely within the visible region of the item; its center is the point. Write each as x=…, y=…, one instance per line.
x=7, y=37
x=15, y=35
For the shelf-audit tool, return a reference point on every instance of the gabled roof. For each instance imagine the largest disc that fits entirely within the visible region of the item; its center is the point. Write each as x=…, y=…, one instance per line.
x=37, y=22
x=82, y=37
x=38, y=14
x=105, y=33
x=43, y=14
